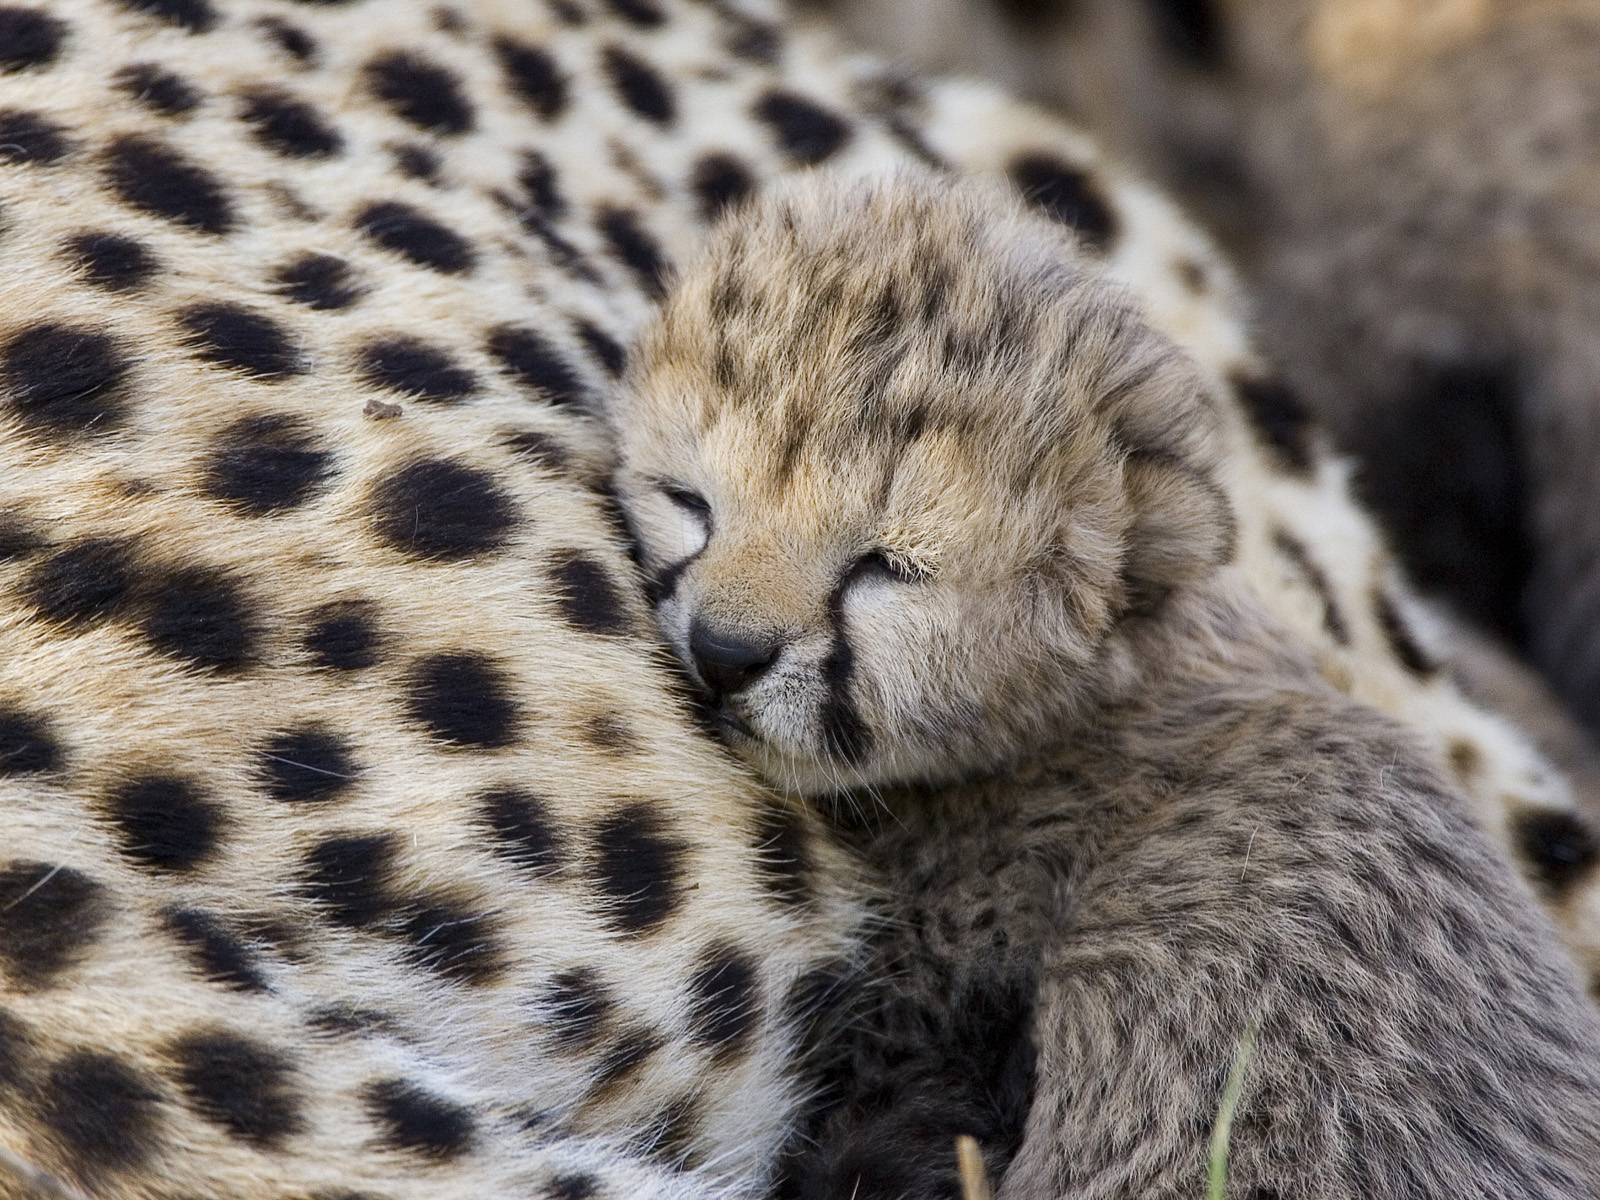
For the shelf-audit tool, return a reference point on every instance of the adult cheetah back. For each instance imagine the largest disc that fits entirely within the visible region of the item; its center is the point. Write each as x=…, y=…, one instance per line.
x=357, y=839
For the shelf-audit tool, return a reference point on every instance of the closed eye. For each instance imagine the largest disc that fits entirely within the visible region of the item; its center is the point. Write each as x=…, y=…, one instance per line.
x=687, y=499
x=879, y=564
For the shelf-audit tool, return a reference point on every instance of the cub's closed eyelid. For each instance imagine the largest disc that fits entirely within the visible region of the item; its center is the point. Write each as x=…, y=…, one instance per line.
x=880, y=564
x=686, y=498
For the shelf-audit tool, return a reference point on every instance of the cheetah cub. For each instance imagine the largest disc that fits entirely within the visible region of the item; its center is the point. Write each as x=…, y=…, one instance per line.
x=933, y=520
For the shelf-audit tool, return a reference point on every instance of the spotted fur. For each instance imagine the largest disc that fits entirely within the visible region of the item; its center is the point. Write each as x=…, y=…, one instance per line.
x=361, y=843
x=948, y=549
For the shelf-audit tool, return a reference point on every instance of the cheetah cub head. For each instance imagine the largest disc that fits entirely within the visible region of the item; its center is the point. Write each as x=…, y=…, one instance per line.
x=902, y=464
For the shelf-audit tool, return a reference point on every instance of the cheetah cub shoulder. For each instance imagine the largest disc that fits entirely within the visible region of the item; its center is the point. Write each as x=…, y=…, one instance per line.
x=932, y=519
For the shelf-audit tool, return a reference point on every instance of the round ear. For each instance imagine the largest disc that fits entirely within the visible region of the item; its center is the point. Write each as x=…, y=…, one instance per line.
x=1182, y=528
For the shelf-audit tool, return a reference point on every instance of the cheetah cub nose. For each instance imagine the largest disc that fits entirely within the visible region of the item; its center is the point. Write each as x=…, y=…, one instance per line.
x=729, y=661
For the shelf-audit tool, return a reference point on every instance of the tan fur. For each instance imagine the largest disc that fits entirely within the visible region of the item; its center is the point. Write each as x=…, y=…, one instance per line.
x=110, y=1022
x=960, y=506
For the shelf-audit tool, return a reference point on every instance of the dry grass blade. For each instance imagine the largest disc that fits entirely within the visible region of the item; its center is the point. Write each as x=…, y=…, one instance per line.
x=1222, y=1131
x=974, y=1179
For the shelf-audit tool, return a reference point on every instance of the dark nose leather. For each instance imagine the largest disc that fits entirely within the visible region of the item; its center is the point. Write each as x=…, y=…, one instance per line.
x=729, y=662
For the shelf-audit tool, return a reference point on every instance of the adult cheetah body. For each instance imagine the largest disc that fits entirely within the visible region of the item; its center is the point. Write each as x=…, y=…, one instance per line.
x=358, y=841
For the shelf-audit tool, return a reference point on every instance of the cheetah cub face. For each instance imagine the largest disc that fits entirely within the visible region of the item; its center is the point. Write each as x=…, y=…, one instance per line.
x=902, y=466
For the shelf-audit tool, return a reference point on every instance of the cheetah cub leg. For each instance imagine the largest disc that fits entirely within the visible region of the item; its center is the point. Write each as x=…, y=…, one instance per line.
x=934, y=519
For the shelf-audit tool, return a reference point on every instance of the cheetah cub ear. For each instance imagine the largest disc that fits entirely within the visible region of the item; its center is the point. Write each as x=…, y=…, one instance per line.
x=904, y=467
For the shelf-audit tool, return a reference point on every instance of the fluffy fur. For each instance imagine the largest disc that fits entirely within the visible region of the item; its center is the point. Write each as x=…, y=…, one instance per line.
x=358, y=839
x=1410, y=184
x=937, y=525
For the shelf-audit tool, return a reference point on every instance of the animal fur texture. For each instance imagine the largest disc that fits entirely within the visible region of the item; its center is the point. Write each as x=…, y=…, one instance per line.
x=360, y=841
x=940, y=525
x=1410, y=186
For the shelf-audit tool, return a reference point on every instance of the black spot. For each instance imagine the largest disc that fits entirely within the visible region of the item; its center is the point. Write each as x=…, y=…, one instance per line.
x=604, y=347
x=724, y=991
x=534, y=362
x=631, y=243
x=626, y=1054
x=198, y=614
x=288, y=126
x=291, y=39
x=421, y=92
x=221, y=957
x=1280, y=417
x=610, y=731
x=318, y=281
x=351, y=1020
x=88, y=581
x=536, y=446
x=720, y=181
x=192, y=16
x=26, y=745
x=638, y=12
x=29, y=38
x=533, y=74
x=416, y=162
x=27, y=137
x=308, y=763
x=639, y=85
x=343, y=636
x=1190, y=29
x=1465, y=529
x=412, y=366
x=158, y=90
x=16, y=539
x=405, y=231
x=414, y=1120
x=463, y=699
x=573, y=1186
x=158, y=180
x=116, y=263
x=782, y=853
x=752, y=40
x=440, y=509
x=523, y=830
x=636, y=867
x=671, y=1132
x=806, y=132
x=102, y=1112
x=588, y=598
x=1065, y=193
x=575, y=1007
x=237, y=337
x=349, y=876
x=165, y=821
x=60, y=378
x=1560, y=846
x=18, y=1049
x=239, y=1084
x=1401, y=640
x=568, y=12
x=265, y=464
x=445, y=938
x=49, y=915
x=538, y=180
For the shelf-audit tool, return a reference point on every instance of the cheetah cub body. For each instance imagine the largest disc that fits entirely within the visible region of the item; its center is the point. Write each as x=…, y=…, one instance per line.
x=936, y=520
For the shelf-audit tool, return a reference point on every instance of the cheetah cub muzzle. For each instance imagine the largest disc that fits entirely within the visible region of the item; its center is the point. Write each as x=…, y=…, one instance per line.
x=933, y=517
